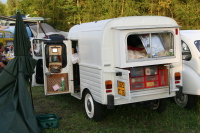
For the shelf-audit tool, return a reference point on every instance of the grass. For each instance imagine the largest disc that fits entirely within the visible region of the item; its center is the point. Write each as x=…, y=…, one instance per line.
x=122, y=119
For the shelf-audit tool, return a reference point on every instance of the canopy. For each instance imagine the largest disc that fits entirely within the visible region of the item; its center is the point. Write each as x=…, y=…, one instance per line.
x=16, y=110
x=39, y=31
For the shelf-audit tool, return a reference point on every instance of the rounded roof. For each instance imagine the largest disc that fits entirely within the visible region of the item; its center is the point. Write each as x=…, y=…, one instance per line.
x=129, y=22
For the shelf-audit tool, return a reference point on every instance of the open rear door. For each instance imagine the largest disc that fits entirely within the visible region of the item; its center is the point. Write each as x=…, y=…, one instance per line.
x=36, y=52
x=57, y=67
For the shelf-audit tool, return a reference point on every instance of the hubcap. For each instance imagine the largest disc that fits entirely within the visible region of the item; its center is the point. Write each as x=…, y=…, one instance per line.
x=89, y=105
x=182, y=101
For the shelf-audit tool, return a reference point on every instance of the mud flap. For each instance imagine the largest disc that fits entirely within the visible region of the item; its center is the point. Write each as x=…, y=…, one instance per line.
x=180, y=92
x=110, y=102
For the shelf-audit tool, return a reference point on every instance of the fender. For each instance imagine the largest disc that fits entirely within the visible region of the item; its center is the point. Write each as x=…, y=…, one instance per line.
x=191, y=81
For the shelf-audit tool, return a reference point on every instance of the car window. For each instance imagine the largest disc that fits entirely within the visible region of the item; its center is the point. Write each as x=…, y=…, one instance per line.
x=8, y=35
x=150, y=45
x=185, y=51
x=197, y=44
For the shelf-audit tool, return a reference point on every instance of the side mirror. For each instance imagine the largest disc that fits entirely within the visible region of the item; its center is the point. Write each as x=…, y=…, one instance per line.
x=188, y=58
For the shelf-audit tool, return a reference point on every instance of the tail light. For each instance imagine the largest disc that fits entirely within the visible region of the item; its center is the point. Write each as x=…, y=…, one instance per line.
x=108, y=84
x=177, y=76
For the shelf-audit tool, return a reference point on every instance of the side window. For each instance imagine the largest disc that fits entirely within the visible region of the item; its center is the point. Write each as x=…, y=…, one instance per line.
x=150, y=45
x=37, y=48
x=186, y=54
x=8, y=35
x=197, y=44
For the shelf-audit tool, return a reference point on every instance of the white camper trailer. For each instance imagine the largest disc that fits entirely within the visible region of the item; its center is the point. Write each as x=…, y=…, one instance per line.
x=125, y=60
x=190, y=40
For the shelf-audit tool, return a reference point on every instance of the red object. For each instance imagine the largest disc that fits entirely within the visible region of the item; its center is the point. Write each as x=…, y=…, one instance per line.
x=176, y=31
x=177, y=76
x=107, y=91
x=108, y=84
x=148, y=81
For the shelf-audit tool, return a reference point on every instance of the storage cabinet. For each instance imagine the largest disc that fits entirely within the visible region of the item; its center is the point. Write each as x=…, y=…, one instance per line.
x=54, y=83
x=147, y=77
x=55, y=59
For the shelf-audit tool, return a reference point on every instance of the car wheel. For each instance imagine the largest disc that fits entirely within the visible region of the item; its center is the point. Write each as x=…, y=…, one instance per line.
x=92, y=108
x=186, y=101
x=160, y=105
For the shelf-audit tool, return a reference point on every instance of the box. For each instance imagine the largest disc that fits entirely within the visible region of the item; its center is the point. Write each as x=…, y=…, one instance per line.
x=151, y=70
x=152, y=84
x=152, y=78
x=137, y=71
x=137, y=86
x=138, y=79
x=47, y=121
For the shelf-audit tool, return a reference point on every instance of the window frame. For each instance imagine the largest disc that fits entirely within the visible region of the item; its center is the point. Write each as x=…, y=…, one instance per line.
x=150, y=33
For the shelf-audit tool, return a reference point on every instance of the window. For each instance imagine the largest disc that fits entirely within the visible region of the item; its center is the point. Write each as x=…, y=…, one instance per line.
x=186, y=54
x=8, y=35
x=37, y=48
x=197, y=44
x=150, y=45
x=1, y=35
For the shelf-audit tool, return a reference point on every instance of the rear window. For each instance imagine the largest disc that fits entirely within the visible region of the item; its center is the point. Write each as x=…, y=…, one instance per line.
x=150, y=45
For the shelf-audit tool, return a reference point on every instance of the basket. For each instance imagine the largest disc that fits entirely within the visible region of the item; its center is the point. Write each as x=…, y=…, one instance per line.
x=47, y=121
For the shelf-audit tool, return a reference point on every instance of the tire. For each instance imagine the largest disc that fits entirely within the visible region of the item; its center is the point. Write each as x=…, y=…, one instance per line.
x=93, y=109
x=160, y=105
x=186, y=101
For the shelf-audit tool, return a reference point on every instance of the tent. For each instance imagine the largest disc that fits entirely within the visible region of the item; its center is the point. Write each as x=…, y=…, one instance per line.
x=16, y=109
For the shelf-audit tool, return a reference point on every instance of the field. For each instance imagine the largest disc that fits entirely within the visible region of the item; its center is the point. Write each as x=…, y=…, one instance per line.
x=123, y=118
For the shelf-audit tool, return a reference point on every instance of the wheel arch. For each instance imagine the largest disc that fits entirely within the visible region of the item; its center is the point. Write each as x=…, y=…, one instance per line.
x=83, y=93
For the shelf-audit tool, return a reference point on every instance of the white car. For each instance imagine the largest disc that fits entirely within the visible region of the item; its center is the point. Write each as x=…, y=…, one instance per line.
x=190, y=41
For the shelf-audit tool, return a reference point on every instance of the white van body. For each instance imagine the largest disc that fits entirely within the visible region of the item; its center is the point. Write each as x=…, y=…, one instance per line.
x=190, y=40
x=107, y=74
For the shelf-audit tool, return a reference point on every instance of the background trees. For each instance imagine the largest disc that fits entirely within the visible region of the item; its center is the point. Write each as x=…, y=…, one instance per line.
x=66, y=13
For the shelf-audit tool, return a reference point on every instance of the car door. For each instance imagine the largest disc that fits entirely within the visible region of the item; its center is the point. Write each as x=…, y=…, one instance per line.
x=57, y=67
x=36, y=52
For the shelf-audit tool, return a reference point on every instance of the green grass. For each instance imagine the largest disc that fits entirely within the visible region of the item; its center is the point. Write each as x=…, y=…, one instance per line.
x=122, y=119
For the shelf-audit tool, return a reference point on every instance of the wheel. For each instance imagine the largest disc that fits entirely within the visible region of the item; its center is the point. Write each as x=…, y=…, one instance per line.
x=186, y=101
x=92, y=108
x=160, y=105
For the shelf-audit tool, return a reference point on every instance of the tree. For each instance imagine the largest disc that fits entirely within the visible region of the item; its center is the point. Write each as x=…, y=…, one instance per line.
x=2, y=8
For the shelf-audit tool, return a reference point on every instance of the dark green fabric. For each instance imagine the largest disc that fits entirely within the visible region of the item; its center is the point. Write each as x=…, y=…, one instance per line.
x=16, y=110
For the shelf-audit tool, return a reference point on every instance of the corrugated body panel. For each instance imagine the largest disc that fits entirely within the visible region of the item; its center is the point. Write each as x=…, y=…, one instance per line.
x=91, y=78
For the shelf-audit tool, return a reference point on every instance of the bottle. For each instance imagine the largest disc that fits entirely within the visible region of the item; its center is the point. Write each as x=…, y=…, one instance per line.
x=171, y=52
x=63, y=83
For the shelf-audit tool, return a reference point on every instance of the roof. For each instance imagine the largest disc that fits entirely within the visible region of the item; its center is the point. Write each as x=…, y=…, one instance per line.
x=122, y=23
x=191, y=34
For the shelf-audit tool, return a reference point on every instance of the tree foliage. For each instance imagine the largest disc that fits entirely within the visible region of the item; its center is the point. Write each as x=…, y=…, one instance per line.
x=2, y=8
x=66, y=13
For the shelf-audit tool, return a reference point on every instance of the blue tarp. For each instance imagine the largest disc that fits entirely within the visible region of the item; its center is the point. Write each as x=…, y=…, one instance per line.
x=12, y=29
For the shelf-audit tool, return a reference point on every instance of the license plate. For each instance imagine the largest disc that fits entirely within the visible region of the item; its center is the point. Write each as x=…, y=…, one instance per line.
x=121, y=88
